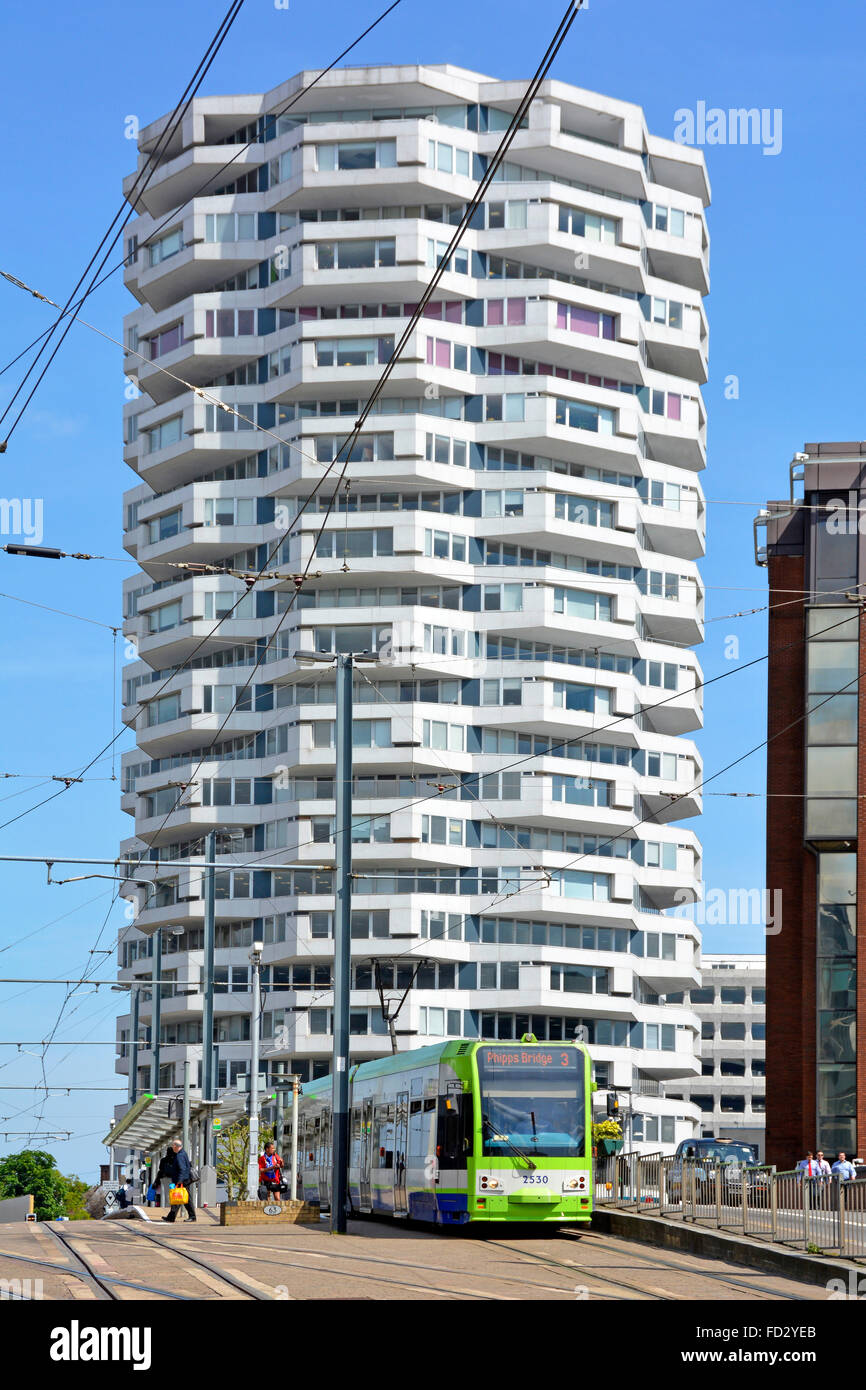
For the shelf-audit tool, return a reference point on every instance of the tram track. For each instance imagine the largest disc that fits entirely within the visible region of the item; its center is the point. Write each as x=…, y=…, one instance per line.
x=658, y=1263
x=209, y=1253
x=234, y=1250
x=106, y=1286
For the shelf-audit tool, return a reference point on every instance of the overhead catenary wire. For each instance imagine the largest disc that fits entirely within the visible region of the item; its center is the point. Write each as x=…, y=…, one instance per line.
x=126, y=211
x=137, y=862
x=321, y=529
x=438, y=273
x=273, y=117
x=505, y=143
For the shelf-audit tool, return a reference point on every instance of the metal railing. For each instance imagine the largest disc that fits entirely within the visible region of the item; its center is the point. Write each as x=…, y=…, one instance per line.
x=819, y=1215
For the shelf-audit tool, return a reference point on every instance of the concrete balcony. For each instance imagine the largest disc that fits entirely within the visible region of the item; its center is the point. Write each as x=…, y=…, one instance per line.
x=678, y=621
x=684, y=260
x=579, y=158
x=680, y=352
x=676, y=532
x=680, y=442
x=195, y=172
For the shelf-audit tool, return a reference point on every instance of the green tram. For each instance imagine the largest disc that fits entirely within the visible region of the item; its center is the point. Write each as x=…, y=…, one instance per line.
x=463, y=1131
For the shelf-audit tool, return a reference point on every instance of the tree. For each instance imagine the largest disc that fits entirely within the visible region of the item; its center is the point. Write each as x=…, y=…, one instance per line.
x=233, y=1156
x=73, y=1201
x=33, y=1171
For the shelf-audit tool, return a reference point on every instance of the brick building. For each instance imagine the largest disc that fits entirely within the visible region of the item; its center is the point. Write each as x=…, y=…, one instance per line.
x=816, y=803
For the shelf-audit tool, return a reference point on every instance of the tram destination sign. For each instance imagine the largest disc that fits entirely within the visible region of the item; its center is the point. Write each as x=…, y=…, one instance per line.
x=529, y=1058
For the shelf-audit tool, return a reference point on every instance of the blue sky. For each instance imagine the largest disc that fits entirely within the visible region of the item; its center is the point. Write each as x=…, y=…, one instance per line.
x=787, y=257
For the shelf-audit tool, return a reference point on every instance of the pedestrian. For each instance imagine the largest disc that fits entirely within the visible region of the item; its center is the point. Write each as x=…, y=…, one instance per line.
x=270, y=1171
x=162, y=1179
x=807, y=1167
x=843, y=1168
x=124, y=1195
x=180, y=1175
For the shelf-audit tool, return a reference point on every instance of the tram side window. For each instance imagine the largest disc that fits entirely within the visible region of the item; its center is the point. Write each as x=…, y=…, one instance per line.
x=417, y=1133
x=355, y=1147
x=384, y=1130
x=454, y=1131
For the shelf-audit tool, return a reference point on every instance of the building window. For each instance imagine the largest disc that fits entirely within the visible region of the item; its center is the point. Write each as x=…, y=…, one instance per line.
x=732, y=1032
x=732, y=1066
x=733, y=1105
x=730, y=995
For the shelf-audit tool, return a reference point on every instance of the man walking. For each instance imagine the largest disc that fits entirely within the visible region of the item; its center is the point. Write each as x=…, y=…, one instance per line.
x=807, y=1167
x=843, y=1168
x=179, y=1171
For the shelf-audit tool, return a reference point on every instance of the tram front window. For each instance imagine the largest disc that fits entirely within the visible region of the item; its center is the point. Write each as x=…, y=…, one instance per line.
x=532, y=1101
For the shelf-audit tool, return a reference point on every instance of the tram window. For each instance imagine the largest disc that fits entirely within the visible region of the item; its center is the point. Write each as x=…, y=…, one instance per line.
x=452, y=1130
x=384, y=1132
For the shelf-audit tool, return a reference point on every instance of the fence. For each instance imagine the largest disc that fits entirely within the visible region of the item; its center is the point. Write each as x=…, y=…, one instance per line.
x=817, y=1214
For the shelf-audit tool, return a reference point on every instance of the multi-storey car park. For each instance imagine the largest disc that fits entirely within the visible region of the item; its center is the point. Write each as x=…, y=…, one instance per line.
x=517, y=539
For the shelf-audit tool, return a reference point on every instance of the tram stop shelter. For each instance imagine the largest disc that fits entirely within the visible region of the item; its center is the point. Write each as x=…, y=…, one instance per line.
x=152, y=1122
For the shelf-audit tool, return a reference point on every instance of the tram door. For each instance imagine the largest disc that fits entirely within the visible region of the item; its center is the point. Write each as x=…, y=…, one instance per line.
x=325, y=1160
x=401, y=1144
x=366, y=1152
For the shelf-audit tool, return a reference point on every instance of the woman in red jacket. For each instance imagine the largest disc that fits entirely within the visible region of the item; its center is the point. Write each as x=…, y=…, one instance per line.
x=270, y=1172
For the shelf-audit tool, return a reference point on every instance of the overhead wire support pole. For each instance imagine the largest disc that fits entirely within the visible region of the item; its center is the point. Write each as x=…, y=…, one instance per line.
x=133, y=1051
x=342, y=943
x=208, y=1080
x=155, y=1011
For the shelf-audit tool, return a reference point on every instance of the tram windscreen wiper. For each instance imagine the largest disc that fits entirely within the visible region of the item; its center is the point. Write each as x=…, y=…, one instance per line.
x=503, y=1139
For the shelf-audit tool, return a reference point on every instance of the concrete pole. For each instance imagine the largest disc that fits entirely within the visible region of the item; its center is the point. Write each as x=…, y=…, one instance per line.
x=253, y=1163
x=208, y=1080
x=342, y=944
x=155, y=1011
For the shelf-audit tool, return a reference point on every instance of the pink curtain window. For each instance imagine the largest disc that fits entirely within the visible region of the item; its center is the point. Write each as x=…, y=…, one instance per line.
x=443, y=353
x=545, y=369
x=494, y=364
x=409, y=309
x=433, y=311
x=512, y=366
x=430, y=342
x=209, y=323
x=562, y=315
x=246, y=321
x=674, y=404
x=584, y=321
x=308, y=312
x=516, y=310
x=454, y=311
x=494, y=311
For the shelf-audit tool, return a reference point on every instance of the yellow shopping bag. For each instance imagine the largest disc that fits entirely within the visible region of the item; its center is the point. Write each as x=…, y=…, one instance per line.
x=178, y=1196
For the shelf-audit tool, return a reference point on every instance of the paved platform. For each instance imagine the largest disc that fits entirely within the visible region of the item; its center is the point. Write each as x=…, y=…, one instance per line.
x=375, y=1260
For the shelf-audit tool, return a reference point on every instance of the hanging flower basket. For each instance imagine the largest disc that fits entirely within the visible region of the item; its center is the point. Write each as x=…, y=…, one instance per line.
x=607, y=1147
